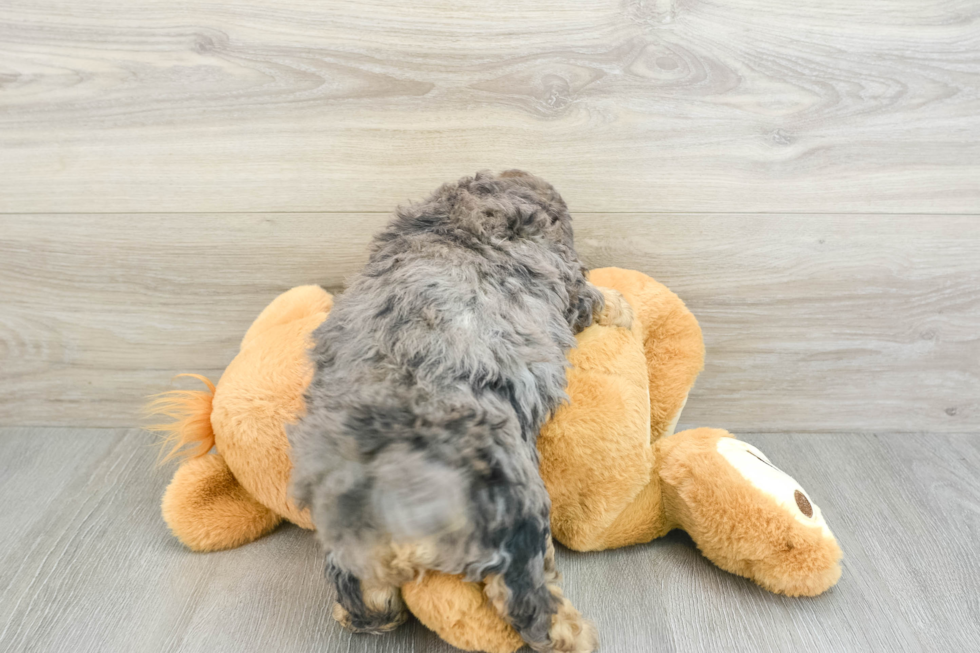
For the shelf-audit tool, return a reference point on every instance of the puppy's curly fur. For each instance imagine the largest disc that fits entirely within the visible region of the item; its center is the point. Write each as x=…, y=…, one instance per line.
x=434, y=374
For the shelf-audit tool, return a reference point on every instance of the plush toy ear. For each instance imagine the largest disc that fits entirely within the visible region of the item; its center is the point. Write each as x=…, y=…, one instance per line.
x=460, y=613
x=208, y=510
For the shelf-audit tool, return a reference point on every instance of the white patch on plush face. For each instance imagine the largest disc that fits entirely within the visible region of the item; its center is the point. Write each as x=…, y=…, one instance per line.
x=753, y=465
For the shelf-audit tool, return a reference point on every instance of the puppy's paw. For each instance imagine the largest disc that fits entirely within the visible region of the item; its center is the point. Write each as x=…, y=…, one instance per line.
x=372, y=625
x=342, y=616
x=617, y=312
x=570, y=632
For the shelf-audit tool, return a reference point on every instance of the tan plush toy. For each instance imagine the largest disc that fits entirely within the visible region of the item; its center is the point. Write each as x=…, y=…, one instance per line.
x=615, y=472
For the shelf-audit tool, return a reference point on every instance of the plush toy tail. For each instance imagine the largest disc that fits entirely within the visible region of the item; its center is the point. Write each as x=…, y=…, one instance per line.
x=188, y=434
x=204, y=505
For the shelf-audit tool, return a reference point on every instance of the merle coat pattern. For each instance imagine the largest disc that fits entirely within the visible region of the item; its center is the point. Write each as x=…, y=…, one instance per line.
x=433, y=374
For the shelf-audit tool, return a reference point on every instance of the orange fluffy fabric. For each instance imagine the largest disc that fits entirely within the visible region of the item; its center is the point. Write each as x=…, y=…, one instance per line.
x=188, y=434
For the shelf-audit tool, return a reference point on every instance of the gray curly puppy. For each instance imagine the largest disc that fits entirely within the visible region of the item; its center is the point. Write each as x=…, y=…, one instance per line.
x=434, y=373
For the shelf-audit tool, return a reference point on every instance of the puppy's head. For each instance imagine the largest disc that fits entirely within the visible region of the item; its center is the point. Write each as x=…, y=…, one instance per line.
x=513, y=204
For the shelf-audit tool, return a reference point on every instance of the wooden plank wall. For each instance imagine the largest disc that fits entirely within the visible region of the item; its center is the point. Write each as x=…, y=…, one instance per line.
x=811, y=322
x=805, y=175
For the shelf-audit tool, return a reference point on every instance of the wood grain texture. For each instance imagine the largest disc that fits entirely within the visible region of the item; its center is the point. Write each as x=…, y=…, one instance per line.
x=815, y=323
x=637, y=105
x=87, y=565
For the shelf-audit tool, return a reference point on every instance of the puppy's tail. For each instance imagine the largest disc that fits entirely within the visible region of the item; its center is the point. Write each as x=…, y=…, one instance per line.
x=416, y=497
x=187, y=433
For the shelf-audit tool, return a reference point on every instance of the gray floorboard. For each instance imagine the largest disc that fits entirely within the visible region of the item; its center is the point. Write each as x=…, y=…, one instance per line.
x=86, y=563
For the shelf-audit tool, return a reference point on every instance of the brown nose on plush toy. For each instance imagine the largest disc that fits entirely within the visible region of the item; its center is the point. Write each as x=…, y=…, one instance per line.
x=616, y=473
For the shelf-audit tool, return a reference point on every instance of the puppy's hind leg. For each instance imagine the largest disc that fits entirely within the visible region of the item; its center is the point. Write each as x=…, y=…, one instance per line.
x=366, y=606
x=570, y=631
x=527, y=595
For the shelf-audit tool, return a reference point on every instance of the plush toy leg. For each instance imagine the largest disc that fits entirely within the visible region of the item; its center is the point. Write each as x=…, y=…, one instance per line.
x=672, y=344
x=208, y=510
x=460, y=613
x=628, y=388
x=745, y=515
x=468, y=615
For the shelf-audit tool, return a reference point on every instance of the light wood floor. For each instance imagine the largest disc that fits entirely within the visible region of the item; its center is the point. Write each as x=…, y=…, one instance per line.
x=87, y=565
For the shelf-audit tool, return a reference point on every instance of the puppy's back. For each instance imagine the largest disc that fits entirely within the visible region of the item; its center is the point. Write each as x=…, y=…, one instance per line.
x=437, y=367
